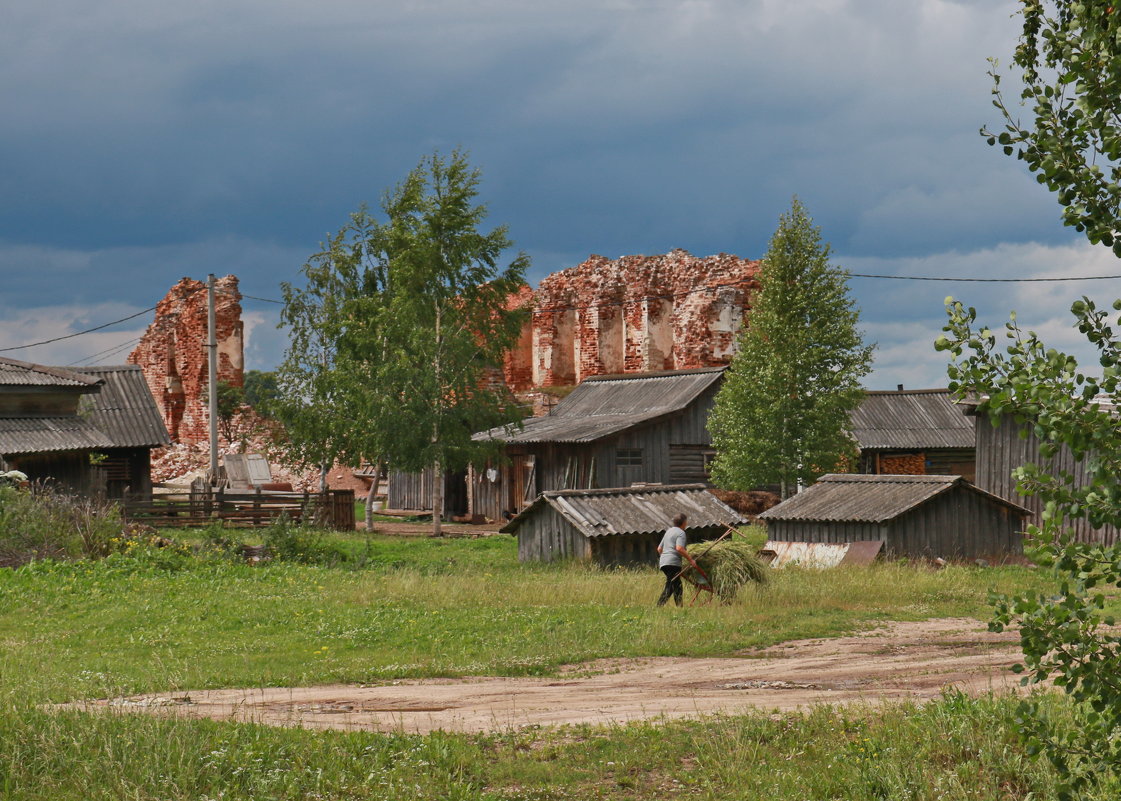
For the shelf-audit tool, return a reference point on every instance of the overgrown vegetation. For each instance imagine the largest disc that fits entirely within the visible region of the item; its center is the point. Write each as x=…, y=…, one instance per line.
x=951, y=749
x=43, y=522
x=196, y=616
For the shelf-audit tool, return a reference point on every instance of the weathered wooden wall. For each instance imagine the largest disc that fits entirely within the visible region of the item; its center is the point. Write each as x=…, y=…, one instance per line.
x=958, y=524
x=672, y=448
x=547, y=537
x=1001, y=449
x=414, y=491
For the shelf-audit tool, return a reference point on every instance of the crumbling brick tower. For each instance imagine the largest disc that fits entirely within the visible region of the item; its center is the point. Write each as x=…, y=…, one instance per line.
x=172, y=354
x=634, y=314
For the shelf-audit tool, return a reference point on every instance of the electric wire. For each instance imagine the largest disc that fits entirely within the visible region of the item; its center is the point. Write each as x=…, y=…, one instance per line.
x=669, y=296
x=79, y=333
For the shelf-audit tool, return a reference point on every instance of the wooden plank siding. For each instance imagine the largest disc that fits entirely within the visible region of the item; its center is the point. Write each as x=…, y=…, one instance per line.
x=414, y=491
x=1002, y=449
x=673, y=449
x=548, y=537
x=958, y=524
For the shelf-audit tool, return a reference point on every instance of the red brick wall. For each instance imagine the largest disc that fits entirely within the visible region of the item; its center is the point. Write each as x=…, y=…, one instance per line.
x=633, y=314
x=172, y=354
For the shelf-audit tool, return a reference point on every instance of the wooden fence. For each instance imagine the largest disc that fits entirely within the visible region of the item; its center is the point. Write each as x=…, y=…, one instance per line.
x=332, y=509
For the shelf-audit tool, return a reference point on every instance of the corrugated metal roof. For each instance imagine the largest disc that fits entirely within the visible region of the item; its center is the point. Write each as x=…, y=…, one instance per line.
x=848, y=497
x=604, y=405
x=45, y=434
x=125, y=409
x=16, y=373
x=916, y=419
x=633, y=510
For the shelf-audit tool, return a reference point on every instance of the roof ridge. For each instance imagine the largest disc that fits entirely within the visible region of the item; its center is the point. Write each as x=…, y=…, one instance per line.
x=56, y=372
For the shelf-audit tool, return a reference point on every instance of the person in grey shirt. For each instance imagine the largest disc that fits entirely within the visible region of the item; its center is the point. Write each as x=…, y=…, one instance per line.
x=671, y=551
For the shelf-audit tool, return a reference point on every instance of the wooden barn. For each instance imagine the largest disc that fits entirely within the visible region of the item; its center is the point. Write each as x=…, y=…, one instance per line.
x=610, y=431
x=127, y=413
x=615, y=527
x=914, y=516
x=90, y=430
x=914, y=431
x=1008, y=445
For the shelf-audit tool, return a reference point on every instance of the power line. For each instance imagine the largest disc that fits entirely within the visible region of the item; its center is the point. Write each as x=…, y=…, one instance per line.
x=79, y=333
x=263, y=300
x=669, y=296
x=107, y=352
x=987, y=280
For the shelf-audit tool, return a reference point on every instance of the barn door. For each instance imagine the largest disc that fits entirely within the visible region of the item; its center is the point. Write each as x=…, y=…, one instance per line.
x=523, y=487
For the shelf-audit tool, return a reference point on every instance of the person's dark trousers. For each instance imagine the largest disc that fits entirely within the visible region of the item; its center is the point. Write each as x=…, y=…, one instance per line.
x=673, y=585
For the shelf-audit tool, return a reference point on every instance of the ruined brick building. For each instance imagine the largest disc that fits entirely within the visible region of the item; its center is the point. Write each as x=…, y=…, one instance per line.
x=172, y=354
x=631, y=315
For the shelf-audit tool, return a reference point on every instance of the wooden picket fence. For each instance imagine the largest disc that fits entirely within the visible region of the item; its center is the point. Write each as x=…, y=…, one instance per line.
x=242, y=508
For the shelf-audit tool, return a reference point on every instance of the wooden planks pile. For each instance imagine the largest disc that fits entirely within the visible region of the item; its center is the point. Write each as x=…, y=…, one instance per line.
x=331, y=509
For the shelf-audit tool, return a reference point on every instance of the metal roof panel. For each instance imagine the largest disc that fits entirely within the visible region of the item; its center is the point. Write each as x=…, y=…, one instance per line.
x=911, y=420
x=633, y=510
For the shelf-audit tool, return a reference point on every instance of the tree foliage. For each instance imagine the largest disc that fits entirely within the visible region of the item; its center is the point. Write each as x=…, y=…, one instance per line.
x=400, y=328
x=1069, y=61
x=1065, y=637
x=782, y=415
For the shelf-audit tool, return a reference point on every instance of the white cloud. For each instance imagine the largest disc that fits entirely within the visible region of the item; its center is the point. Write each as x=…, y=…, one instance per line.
x=905, y=317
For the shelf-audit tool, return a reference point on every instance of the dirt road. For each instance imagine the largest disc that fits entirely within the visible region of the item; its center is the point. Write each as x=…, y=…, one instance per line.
x=899, y=661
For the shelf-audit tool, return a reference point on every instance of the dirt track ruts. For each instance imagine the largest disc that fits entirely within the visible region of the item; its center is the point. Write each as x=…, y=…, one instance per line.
x=899, y=661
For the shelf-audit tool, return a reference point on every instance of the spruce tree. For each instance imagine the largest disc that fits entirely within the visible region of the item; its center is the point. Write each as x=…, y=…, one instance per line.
x=782, y=415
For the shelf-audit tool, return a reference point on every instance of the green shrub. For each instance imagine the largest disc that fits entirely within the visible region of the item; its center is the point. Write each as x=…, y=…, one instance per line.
x=289, y=541
x=43, y=522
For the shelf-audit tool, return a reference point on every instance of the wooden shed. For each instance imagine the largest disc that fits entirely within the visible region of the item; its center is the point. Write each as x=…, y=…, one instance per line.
x=1011, y=444
x=615, y=526
x=127, y=413
x=89, y=429
x=913, y=431
x=914, y=516
x=610, y=431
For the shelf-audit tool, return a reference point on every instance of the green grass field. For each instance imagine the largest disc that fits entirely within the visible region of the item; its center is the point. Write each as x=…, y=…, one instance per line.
x=151, y=620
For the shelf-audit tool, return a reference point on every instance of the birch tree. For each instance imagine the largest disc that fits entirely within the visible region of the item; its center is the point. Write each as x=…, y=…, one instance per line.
x=419, y=324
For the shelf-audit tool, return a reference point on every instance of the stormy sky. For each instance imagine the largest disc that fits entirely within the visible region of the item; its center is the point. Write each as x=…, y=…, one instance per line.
x=142, y=142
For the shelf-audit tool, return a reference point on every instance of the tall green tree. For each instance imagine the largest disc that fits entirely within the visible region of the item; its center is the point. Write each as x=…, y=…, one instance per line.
x=403, y=324
x=782, y=415
x=1068, y=62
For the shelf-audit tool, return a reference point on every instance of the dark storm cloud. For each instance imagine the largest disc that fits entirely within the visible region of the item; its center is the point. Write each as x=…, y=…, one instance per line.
x=147, y=141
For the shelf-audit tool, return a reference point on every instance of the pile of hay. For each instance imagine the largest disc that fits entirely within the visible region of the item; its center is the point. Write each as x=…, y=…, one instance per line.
x=730, y=564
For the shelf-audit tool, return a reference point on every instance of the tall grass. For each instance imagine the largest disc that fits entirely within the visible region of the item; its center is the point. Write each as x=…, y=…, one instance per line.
x=45, y=522
x=146, y=619
x=953, y=748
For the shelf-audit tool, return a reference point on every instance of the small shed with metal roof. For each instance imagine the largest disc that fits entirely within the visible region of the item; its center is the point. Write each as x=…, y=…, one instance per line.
x=127, y=413
x=914, y=431
x=54, y=419
x=914, y=516
x=614, y=527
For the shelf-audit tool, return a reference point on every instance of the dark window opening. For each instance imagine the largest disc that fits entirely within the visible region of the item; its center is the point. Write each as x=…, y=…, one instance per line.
x=628, y=457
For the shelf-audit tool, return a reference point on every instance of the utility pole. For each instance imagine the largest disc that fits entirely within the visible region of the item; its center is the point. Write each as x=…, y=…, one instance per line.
x=212, y=364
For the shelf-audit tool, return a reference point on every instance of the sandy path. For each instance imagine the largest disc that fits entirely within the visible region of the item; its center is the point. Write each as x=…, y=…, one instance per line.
x=899, y=661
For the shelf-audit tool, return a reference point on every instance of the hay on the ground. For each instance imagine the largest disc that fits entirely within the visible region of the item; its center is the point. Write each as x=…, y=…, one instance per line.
x=729, y=564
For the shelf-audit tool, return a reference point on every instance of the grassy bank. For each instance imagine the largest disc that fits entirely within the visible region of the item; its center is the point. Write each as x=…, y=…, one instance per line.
x=165, y=619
